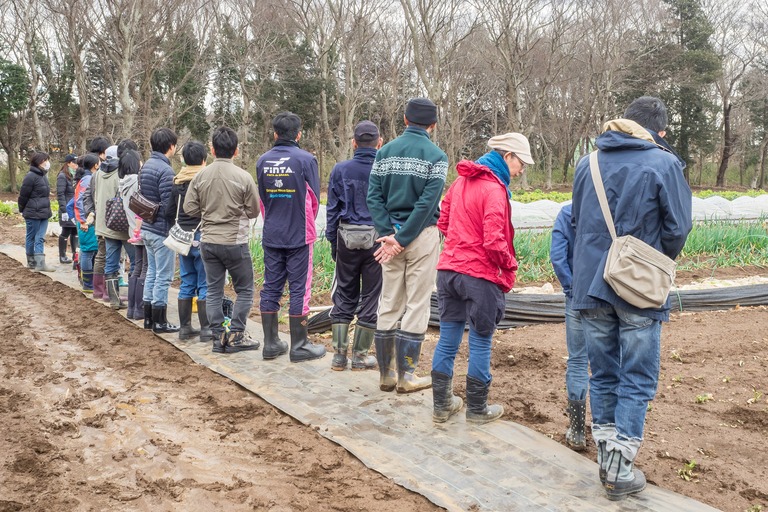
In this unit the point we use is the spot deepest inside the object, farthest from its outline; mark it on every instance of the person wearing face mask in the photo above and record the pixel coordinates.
(476, 268)
(65, 191)
(35, 206)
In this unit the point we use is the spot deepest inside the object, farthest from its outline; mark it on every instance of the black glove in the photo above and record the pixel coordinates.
(333, 252)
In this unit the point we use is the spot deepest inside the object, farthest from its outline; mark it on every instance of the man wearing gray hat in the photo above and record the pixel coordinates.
(352, 236)
(406, 184)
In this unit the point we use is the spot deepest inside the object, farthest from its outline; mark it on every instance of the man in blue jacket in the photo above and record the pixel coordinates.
(156, 184)
(649, 199)
(289, 187)
(351, 233)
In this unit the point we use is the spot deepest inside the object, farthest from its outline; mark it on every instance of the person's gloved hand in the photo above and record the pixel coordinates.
(333, 252)
(64, 217)
(90, 219)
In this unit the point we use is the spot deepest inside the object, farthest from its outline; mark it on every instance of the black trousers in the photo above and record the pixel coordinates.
(357, 281)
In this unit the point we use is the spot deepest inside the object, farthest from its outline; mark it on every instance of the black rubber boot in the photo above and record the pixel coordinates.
(131, 314)
(63, 251)
(138, 297)
(360, 347)
(113, 291)
(408, 347)
(340, 343)
(205, 326)
(622, 479)
(575, 437)
(41, 265)
(446, 404)
(240, 342)
(31, 261)
(478, 410)
(301, 348)
(273, 345)
(385, 356)
(160, 321)
(186, 331)
(148, 322)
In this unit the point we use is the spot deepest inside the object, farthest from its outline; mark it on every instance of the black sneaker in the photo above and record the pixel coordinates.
(240, 342)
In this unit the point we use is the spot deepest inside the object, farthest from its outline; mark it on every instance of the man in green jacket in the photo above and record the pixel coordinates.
(406, 184)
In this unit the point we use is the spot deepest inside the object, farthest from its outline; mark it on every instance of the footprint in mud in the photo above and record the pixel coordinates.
(168, 447)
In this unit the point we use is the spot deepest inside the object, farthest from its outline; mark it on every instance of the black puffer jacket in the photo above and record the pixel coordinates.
(65, 191)
(34, 196)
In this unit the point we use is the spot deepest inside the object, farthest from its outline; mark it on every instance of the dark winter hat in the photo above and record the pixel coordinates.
(421, 111)
(366, 131)
(70, 158)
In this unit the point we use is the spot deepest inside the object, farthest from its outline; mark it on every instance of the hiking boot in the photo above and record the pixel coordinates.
(446, 404)
(385, 356)
(408, 348)
(621, 478)
(220, 342)
(273, 345)
(575, 436)
(360, 347)
(478, 410)
(240, 342)
(301, 348)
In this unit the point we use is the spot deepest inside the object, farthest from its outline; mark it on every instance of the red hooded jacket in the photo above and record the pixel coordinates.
(476, 219)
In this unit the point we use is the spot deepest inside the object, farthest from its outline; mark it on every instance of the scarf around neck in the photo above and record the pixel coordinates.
(495, 162)
(187, 173)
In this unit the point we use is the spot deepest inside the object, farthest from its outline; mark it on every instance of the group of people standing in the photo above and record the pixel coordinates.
(385, 217)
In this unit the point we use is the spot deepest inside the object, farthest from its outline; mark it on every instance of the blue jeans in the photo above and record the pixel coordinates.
(160, 268)
(577, 368)
(35, 241)
(114, 247)
(448, 345)
(624, 354)
(86, 260)
(192, 273)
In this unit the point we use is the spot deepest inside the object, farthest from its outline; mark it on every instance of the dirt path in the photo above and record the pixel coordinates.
(711, 407)
(99, 415)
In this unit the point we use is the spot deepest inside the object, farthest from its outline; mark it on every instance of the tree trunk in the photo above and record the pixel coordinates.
(727, 145)
(761, 163)
(10, 139)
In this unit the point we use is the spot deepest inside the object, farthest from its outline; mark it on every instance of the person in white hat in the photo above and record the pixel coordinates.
(476, 268)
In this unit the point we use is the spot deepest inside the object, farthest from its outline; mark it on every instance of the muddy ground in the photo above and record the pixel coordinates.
(100, 415)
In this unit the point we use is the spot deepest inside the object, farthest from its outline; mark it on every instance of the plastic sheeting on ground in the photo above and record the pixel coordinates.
(498, 466)
(528, 309)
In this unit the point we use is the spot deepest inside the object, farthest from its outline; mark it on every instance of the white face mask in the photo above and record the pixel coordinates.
(46, 165)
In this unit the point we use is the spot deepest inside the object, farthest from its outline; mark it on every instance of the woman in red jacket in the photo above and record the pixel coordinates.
(475, 270)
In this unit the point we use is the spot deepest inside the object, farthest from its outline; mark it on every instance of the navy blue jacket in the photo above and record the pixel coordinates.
(648, 198)
(289, 187)
(348, 192)
(34, 195)
(561, 250)
(155, 183)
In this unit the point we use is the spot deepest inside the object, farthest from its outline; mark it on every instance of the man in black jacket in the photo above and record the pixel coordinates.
(351, 233)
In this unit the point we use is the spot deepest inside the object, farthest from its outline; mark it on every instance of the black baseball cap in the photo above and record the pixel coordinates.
(70, 158)
(366, 131)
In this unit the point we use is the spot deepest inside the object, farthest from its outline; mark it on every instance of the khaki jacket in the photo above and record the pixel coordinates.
(225, 198)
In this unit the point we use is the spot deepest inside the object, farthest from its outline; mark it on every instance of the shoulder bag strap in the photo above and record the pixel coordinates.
(600, 190)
